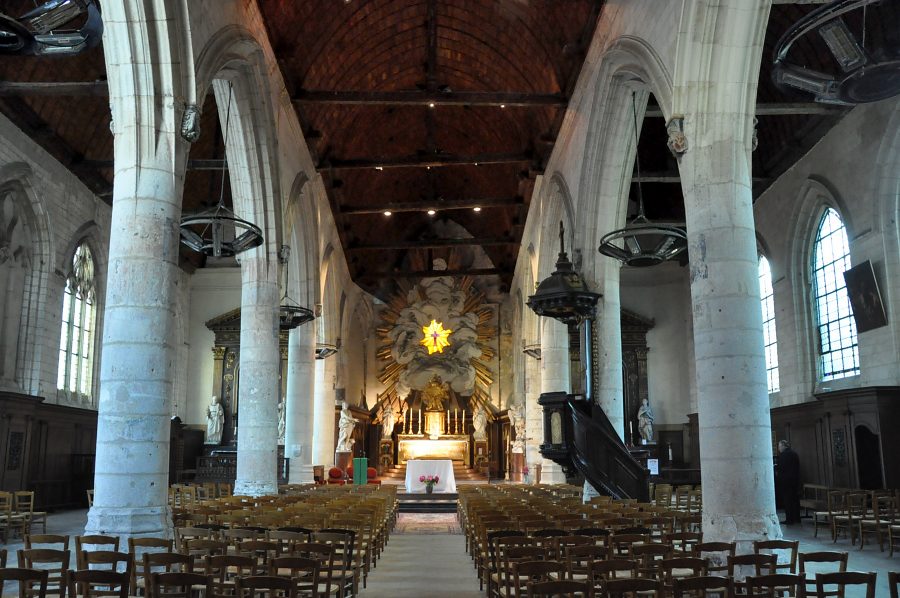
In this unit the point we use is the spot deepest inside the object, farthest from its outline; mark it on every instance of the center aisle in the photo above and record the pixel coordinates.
(418, 562)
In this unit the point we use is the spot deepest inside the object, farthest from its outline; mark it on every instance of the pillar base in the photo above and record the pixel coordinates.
(129, 522)
(742, 529)
(248, 488)
(301, 474)
(552, 473)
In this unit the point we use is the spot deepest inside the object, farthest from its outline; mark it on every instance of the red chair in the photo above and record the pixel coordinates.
(336, 476)
(372, 476)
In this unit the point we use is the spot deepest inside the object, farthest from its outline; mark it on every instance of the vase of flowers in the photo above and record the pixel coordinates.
(429, 481)
(526, 479)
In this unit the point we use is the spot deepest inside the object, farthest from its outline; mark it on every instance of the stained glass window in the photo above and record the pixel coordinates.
(76, 342)
(767, 295)
(838, 350)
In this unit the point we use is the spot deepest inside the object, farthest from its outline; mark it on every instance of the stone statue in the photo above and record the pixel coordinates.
(15, 264)
(215, 421)
(479, 422)
(434, 394)
(387, 422)
(645, 421)
(282, 424)
(346, 423)
(517, 420)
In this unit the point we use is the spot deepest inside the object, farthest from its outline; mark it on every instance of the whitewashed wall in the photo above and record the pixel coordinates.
(69, 213)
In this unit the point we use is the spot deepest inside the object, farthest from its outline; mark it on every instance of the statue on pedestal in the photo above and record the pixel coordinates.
(517, 420)
(387, 422)
(645, 421)
(215, 421)
(435, 393)
(282, 424)
(479, 422)
(346, 423)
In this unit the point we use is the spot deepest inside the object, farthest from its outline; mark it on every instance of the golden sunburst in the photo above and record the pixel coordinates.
(436, 337)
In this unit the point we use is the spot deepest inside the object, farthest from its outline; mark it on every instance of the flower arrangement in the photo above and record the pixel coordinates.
(429, 481)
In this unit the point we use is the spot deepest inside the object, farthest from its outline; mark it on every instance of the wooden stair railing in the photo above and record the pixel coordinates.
(580, 437)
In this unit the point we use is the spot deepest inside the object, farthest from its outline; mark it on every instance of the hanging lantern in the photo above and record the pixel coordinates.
(218, 232)
(290, 313)
(38, 32)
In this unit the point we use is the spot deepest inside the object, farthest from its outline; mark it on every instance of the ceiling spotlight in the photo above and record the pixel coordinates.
(476, 209)
(476, 163)
(428, 168)
(387, 212)
(431, 104)
(379, 168)
(503, 105)
(431, 212)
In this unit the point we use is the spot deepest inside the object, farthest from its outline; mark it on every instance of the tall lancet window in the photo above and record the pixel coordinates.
(767, 295)
(79, 315)
(838, 351)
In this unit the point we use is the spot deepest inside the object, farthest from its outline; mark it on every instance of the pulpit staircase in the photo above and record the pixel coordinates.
(580, 437)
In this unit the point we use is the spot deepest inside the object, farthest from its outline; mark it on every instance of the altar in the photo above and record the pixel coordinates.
(454, 447)
(443, 468)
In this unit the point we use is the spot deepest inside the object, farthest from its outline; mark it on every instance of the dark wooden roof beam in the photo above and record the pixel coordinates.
(435, 244)
(435, 273)
(54, 88)
(778, 109)
(419, 161)
(429, 99)
(421, 206)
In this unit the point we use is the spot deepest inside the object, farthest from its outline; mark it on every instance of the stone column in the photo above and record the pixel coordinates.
(555, 377)
(716, 90)
(608, 343)
(257, 449)
(137, 369)
(298, 437)
(534, 413)
(323, 408)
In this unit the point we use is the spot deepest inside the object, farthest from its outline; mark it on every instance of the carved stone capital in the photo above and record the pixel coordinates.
(218, 352)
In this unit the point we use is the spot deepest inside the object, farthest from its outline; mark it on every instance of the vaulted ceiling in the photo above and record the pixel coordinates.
(410, 106)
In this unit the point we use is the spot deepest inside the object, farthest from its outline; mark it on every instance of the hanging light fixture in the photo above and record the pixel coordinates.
(863, 74)
(218, 232)
(290, 313)
(643, 243)
(564, 295)
(38, 32)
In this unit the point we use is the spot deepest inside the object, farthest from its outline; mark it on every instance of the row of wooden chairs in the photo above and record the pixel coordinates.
(17, 514)
(334, 551)
(860, 515)
(296, 578)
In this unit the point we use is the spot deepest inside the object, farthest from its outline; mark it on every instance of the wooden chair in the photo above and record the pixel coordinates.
(324, 555)
(716, 555)
(825, 557)
(528, 572)
(683, 542)
(894, 583)
(137, 548)
(159, 562)
(2, 562)
(630, 587)
(23, 503)
(224, 569)
(512, 556)
(650, 556)
(884, 514)
(566, 587)
(304, 572)
(10, 521)
(54, 562)
(846, 578)
(99, 541)
(620, 545)
(698, 587)
(679, 568)
(579, 558)
(762, 564)
(777, 584)
(267, 585)
(26, 579)
(179, 585)
(599, 572)
(341, 574)
(770, 546)
(92, 583)
(848, 520)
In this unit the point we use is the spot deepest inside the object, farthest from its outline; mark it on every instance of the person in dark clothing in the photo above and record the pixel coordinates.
(787, 482)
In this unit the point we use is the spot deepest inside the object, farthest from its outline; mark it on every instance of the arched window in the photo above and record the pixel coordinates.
(767, 295)
(838, 352)
(76, 342)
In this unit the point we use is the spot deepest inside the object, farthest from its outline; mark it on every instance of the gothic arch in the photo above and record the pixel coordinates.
(25, 257)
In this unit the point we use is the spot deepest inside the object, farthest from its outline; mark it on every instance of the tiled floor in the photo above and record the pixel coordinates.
(428, 557)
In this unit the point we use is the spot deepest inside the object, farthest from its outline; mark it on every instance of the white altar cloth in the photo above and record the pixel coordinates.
(443, 468)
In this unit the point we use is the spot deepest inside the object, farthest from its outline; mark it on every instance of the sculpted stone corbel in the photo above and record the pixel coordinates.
(677, 141)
